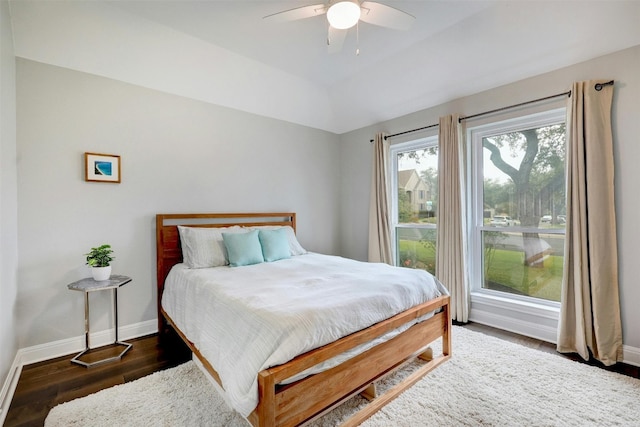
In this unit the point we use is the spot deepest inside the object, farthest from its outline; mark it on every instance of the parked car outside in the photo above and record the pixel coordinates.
(502, 221)
(546, 219)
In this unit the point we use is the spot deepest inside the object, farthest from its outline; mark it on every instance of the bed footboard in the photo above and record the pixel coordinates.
(307, 399)
(314, 396)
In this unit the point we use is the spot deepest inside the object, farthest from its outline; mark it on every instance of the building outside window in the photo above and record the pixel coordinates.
(414, 201)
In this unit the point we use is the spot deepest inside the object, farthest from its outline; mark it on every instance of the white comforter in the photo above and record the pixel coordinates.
(246, 319)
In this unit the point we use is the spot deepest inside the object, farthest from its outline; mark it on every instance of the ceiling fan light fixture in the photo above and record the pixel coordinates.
(343, 14)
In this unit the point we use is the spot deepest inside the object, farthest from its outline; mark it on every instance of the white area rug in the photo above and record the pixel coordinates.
(487, 382)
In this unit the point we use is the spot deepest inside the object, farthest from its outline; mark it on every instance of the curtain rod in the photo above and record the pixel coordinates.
(597, 87)
(484, 113)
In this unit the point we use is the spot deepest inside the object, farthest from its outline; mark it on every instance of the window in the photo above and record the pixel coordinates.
(519, 201)
(414, 182)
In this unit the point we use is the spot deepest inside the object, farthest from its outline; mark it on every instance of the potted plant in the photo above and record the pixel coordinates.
(99, 259)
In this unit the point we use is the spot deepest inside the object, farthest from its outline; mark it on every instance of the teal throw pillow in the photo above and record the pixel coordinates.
(243, 248)
(275, 244)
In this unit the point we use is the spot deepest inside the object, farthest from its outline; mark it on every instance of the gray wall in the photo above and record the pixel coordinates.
(8, 196)
(623, 67)
(178, 155)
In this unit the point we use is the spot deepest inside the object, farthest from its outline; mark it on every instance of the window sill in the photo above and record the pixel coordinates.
(530, 318)
(549, 309)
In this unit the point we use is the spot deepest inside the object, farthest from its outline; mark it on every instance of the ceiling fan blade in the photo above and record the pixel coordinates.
(385, 16)
(335, 39)
(298, 13)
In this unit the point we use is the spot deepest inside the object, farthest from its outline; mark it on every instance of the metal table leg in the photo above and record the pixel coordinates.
(126, 345)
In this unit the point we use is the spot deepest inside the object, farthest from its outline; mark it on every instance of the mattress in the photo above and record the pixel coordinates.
(246, 319)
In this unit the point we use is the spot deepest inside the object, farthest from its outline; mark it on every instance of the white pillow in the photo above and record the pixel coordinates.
(202, 247)
(294, 245)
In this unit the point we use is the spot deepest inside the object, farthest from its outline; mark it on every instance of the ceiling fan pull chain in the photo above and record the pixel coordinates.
(328, 33)
(358, 38)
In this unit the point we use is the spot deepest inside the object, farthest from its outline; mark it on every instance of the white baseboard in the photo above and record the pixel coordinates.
(51, 350)
(67, 346)
(9, 387)
(631, 355)
(528, 329)
(524, 318)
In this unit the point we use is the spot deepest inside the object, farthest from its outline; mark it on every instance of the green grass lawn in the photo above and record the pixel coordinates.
(505, 270)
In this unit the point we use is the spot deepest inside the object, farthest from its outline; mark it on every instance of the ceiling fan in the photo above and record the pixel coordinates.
(345, 14)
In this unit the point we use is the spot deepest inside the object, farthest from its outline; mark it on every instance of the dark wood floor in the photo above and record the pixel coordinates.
(46, 384)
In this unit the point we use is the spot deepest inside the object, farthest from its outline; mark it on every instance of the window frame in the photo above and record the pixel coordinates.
(394, 150)
(532, 316)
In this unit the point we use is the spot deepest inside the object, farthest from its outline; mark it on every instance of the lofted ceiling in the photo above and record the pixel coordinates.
(225, 53)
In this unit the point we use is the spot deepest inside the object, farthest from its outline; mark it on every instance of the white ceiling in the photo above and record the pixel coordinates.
(223, 52)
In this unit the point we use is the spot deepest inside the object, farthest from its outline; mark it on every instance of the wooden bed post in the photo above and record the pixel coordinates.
(446, 335)
(161, 274)
(266, 400)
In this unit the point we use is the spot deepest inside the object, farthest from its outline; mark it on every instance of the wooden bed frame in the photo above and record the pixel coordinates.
(309, 398)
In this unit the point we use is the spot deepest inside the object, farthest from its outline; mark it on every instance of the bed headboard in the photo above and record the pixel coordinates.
(169, 250)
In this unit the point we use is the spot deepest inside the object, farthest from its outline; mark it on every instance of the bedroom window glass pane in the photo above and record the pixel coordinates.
(521, 205)
(506, 268)
(416, 248)
(415, 200)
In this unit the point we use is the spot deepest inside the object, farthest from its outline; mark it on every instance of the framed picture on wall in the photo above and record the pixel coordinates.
(101, 167)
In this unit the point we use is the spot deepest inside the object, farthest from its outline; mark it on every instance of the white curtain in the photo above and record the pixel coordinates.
(590, 306)
(451, 254)
(379, 221)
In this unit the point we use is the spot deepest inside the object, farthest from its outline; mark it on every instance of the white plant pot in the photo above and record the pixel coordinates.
(101, 273)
